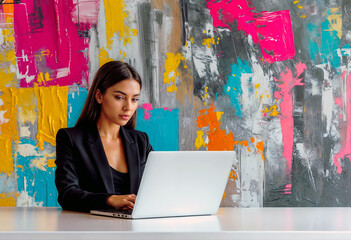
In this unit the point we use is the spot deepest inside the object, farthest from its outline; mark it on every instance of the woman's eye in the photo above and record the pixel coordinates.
(119, 97)
(135, 99)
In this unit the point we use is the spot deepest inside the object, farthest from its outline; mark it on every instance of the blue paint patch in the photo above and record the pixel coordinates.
(40, 184)
(76, 100)
(162, 128)
(345, 51)
(233, 87)
(314, 35)
(330, 45)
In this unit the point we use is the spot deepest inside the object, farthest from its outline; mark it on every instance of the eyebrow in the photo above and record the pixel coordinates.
(117, 91)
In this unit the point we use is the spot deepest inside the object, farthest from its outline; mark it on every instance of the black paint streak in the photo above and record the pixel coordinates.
(36, 18)
(184, 9)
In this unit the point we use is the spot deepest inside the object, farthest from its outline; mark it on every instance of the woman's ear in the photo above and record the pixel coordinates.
(98, 96)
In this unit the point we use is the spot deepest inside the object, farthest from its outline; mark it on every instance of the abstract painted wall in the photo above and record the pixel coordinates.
(269, 79)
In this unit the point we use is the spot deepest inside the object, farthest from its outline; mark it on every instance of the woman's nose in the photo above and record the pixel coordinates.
(127, 105)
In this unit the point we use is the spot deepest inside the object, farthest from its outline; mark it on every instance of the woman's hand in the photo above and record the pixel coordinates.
(122, 201)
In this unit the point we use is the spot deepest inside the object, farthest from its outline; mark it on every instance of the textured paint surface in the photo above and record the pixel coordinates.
(267, 79)
(161, 127)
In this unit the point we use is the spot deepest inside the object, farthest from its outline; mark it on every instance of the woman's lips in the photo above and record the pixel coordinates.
(124, 117)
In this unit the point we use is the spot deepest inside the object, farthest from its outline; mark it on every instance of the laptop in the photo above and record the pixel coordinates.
(179, 183)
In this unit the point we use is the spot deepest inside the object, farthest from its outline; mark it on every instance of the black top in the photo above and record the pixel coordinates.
(121, 182)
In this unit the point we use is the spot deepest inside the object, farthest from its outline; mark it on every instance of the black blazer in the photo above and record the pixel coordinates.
(83, 176)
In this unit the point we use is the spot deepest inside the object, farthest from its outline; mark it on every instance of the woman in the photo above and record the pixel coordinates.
(101, 160)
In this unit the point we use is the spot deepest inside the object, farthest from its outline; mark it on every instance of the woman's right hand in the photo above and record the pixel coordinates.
(122, 201)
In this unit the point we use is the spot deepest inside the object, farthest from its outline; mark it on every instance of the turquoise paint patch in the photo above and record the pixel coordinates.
(162, 128)
(233, 87)
(346, 50)
(314, 35)
(40, 185)
(330, 45)
(76, 100)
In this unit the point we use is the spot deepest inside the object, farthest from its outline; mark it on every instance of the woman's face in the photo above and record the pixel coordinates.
(119, 102)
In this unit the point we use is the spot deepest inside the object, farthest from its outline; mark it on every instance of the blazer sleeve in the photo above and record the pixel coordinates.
(70, 195)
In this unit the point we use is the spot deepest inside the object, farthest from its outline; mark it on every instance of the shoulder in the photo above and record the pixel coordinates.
(75, 133)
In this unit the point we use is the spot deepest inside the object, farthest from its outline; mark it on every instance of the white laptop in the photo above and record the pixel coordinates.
(180, 183)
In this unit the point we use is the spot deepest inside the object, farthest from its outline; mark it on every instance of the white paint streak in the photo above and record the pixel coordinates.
(24, 200)
(25, 76)
(39, 163)
(62, 72)
(2, 118)
(252, 175)
(27, 150)
(24, 131)
(327, 98)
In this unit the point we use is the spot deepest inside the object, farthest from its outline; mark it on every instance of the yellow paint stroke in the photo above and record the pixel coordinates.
(116, 22)
(303, 16)
(8, 199)
(8, 129)
(219, 115)
(233, 175)
(208, 42)
(43, 78)
(20, 166)
(171, 73)
(272, 111)
(26, 105)
(104, 57)
(51, 163)
(52, 113)
(192, 40)
(123, 54)
(223, 197)
(300, 7)
(295, 2)
(335, 21)
(199, 142)
(8, 57)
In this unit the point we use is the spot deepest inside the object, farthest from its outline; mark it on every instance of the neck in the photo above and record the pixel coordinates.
(108, 130)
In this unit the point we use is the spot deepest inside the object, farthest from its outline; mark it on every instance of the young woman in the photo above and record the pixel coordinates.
(100, 161)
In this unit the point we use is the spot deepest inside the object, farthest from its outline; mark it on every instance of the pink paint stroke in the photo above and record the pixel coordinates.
(147, 107)
(276, 36)
(287, 189)
(85, 14)
(226, 12)
(345, 150)
(65, 55)
(286, 109)
(166, 108)
(272, 30)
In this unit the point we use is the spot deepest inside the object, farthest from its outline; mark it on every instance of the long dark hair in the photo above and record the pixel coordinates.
(108, 75)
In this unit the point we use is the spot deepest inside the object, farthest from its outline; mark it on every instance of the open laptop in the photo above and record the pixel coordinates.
(180, 183)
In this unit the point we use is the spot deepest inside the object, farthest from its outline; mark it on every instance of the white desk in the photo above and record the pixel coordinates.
(229, 223)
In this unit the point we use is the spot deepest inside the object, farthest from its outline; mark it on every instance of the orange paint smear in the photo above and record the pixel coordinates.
(218, 140)
(233, 175)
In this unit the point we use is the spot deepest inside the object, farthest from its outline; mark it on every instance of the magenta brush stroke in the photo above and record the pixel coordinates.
(55, 48)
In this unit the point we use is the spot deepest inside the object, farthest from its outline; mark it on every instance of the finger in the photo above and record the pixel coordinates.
(132, 197)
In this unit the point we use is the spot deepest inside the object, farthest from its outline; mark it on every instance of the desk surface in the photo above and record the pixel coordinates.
(229, 223)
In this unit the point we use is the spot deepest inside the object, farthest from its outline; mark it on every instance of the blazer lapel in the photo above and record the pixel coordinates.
(98, 154)
(132, 158)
